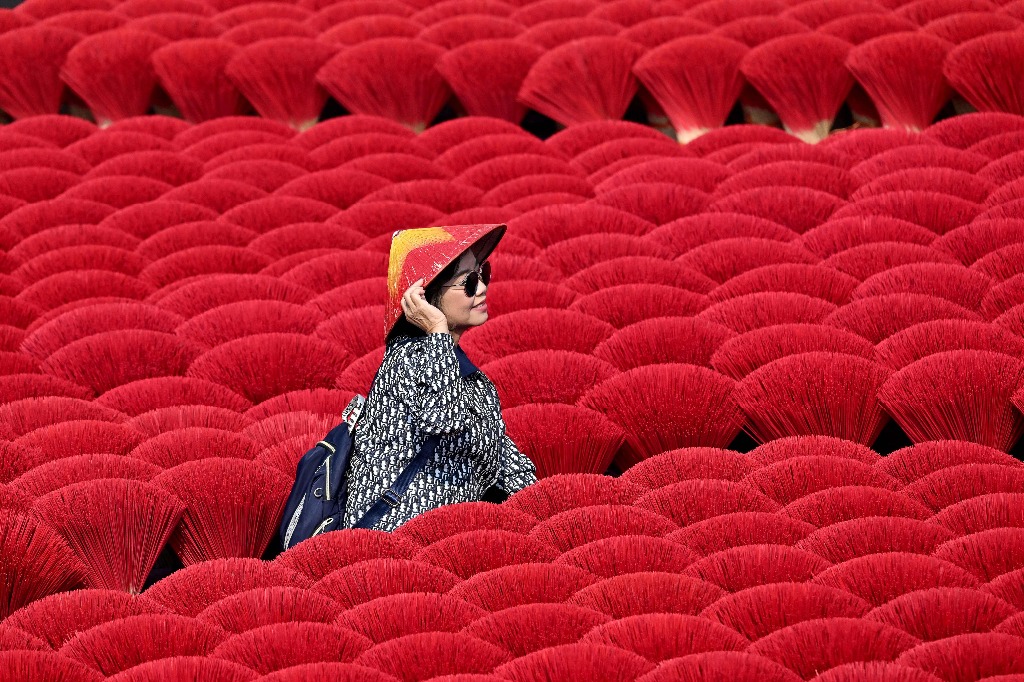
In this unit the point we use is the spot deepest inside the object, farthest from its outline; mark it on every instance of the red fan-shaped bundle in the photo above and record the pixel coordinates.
(186, 667)
(235, 320)
(914, 463)
(109, 359)
(164, 419)
(872, 535)
(82, 436)
(587, 440)
(174, 447)
(663, 340)
(660, 636)
(432, 654)
(288, 644)
(277, 76)
(567, 491)
(329, 552)
(352, 585)
(412, 93)
(22, 416)
(624, 554)
(58, 618)
(505, 334)
(812, 646)
(39, 51)
(263, 215)
(486, 75)
(657, 203)
(929, 399)
(939, 613)
(633, 594)
(697, 94)
(532, 627)
(949, 181)
(669, 406)
(721, 666)
(377, 26)
(740, 568)
(190, 590)
(38, 562)
(43, 665)
(687, 464)
(37, 184)
(520, 584)
(917, 156)
(987, 554)
(145, 395)
(878, 317)
(562, 663)
(955, 283)
(798, 208)
(842, 503)
(577, 527)
(716, 498)
(928, 338)
(628, 304)
(18, 386)
(252, 32)
(1001, 264)
(882, 68)
(116, 527)
(1007, 587)
(840, 235)
(298, 362)
(577, 139)
(419, 613)
(554, 33)
(975, 68)
(637, 269)
(723, 259)
(16, 460)
(232, 507)
(53, 475)
(192, 72)
(124, 643)
(269, 605)
(804, 78)
(741, 355)
(220, 195)
(821, 176)
(755, 311)
(759, 611)
(197, 234)
(584, 80)
(112, 72)
(983, 512)
(447, 520)
(967, 657)
(795, 477)
(491, 549)
(936, 211)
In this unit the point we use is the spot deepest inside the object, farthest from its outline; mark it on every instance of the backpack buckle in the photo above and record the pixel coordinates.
(391, 498)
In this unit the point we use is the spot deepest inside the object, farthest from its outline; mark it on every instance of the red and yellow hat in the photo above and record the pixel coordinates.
(425, 252)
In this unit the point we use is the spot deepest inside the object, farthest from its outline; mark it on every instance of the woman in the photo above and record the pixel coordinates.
(437, 290)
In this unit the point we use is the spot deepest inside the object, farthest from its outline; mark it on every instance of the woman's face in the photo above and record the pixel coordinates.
(461, 310)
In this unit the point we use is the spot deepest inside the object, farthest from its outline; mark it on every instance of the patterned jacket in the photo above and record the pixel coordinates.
(425, 387)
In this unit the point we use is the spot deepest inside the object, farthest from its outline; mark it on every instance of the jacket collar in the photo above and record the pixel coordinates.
(466, 366)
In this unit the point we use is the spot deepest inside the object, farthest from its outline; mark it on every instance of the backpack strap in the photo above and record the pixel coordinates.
(393, 495)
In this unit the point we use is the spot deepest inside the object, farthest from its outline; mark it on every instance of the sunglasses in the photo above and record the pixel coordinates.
(472, 280)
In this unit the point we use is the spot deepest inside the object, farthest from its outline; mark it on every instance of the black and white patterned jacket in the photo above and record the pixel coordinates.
(426, 387)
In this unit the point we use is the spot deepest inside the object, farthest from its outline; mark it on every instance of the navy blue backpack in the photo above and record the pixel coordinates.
(317, 501)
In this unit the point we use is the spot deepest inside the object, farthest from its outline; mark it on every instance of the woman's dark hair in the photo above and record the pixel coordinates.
(404, 327)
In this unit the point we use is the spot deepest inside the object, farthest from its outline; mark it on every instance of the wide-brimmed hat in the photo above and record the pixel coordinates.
(425, 252)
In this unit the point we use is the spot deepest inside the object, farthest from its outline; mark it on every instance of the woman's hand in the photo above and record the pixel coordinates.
(420, 312)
